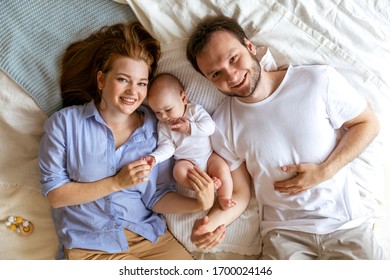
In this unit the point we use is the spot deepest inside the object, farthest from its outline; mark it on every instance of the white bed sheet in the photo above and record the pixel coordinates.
(353, 37)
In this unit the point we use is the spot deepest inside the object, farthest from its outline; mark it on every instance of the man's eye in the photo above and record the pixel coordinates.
(215, 75)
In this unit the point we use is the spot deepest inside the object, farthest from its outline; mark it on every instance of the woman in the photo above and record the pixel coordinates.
(106, 199)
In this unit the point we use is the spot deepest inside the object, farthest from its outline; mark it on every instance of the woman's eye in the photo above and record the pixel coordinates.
(122, 80)
(233, 58)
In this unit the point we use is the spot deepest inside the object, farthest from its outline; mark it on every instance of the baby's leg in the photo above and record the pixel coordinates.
(218, 168)
(180, 172)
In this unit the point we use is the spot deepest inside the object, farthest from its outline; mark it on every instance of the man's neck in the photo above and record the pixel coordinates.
(268, 84)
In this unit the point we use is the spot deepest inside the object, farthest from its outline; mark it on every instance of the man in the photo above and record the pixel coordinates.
(282, 130)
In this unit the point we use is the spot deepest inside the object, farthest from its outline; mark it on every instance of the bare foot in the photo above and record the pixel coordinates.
(226, 202)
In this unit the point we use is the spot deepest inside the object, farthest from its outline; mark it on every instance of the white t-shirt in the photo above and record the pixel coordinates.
(195, 147)
(298, 123)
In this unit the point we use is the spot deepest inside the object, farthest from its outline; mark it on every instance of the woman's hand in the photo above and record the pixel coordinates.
(132, 174)
(203, 186)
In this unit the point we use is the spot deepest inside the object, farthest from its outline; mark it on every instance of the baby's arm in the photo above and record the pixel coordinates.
(181, 125)
(203, 124)
(165, 146)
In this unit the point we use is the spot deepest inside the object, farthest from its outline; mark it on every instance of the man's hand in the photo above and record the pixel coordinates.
(204, 239)
(307, 176)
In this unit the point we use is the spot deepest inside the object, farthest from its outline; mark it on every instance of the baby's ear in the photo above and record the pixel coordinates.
(183, 97)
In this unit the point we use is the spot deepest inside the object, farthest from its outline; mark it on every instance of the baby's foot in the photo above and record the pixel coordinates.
(217, 183)
(226, 202)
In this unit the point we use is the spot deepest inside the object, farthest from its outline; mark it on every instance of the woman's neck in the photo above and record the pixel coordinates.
(123, 127)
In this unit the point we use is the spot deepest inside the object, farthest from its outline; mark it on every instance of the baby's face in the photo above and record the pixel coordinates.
(168, 104)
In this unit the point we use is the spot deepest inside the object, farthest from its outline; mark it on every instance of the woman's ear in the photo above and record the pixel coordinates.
(250, 46)
(100, 80)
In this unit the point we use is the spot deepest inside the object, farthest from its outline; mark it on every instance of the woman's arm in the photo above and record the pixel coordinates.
(75, 193)
(173, 203)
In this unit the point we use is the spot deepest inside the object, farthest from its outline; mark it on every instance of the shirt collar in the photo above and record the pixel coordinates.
(91, 110)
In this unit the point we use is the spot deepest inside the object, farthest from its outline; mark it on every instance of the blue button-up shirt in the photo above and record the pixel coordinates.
(78, 146)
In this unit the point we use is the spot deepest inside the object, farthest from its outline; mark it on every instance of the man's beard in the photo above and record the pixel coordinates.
(256, 75)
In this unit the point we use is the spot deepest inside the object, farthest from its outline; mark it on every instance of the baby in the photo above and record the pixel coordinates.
(184, 131)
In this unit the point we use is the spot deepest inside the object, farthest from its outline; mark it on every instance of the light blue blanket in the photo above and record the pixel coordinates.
(34, 35)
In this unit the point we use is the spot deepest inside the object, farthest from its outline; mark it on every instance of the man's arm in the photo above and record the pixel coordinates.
(210, 231)
(359, 133)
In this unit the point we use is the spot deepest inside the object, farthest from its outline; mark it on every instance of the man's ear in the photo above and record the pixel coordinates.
(250, 46)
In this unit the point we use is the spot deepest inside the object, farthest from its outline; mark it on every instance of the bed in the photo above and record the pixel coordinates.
(353, 37)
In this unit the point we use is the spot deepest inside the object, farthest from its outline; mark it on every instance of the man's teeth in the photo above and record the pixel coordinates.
(130, 100)
(240, 82)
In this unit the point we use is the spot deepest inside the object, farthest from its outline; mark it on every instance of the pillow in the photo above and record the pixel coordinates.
(21, 128)
(42, 243)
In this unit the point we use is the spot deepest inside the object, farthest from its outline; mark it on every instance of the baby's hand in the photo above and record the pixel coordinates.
(150, 160)
(181, 125)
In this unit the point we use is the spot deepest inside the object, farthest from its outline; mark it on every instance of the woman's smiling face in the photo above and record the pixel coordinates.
(124, 86)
